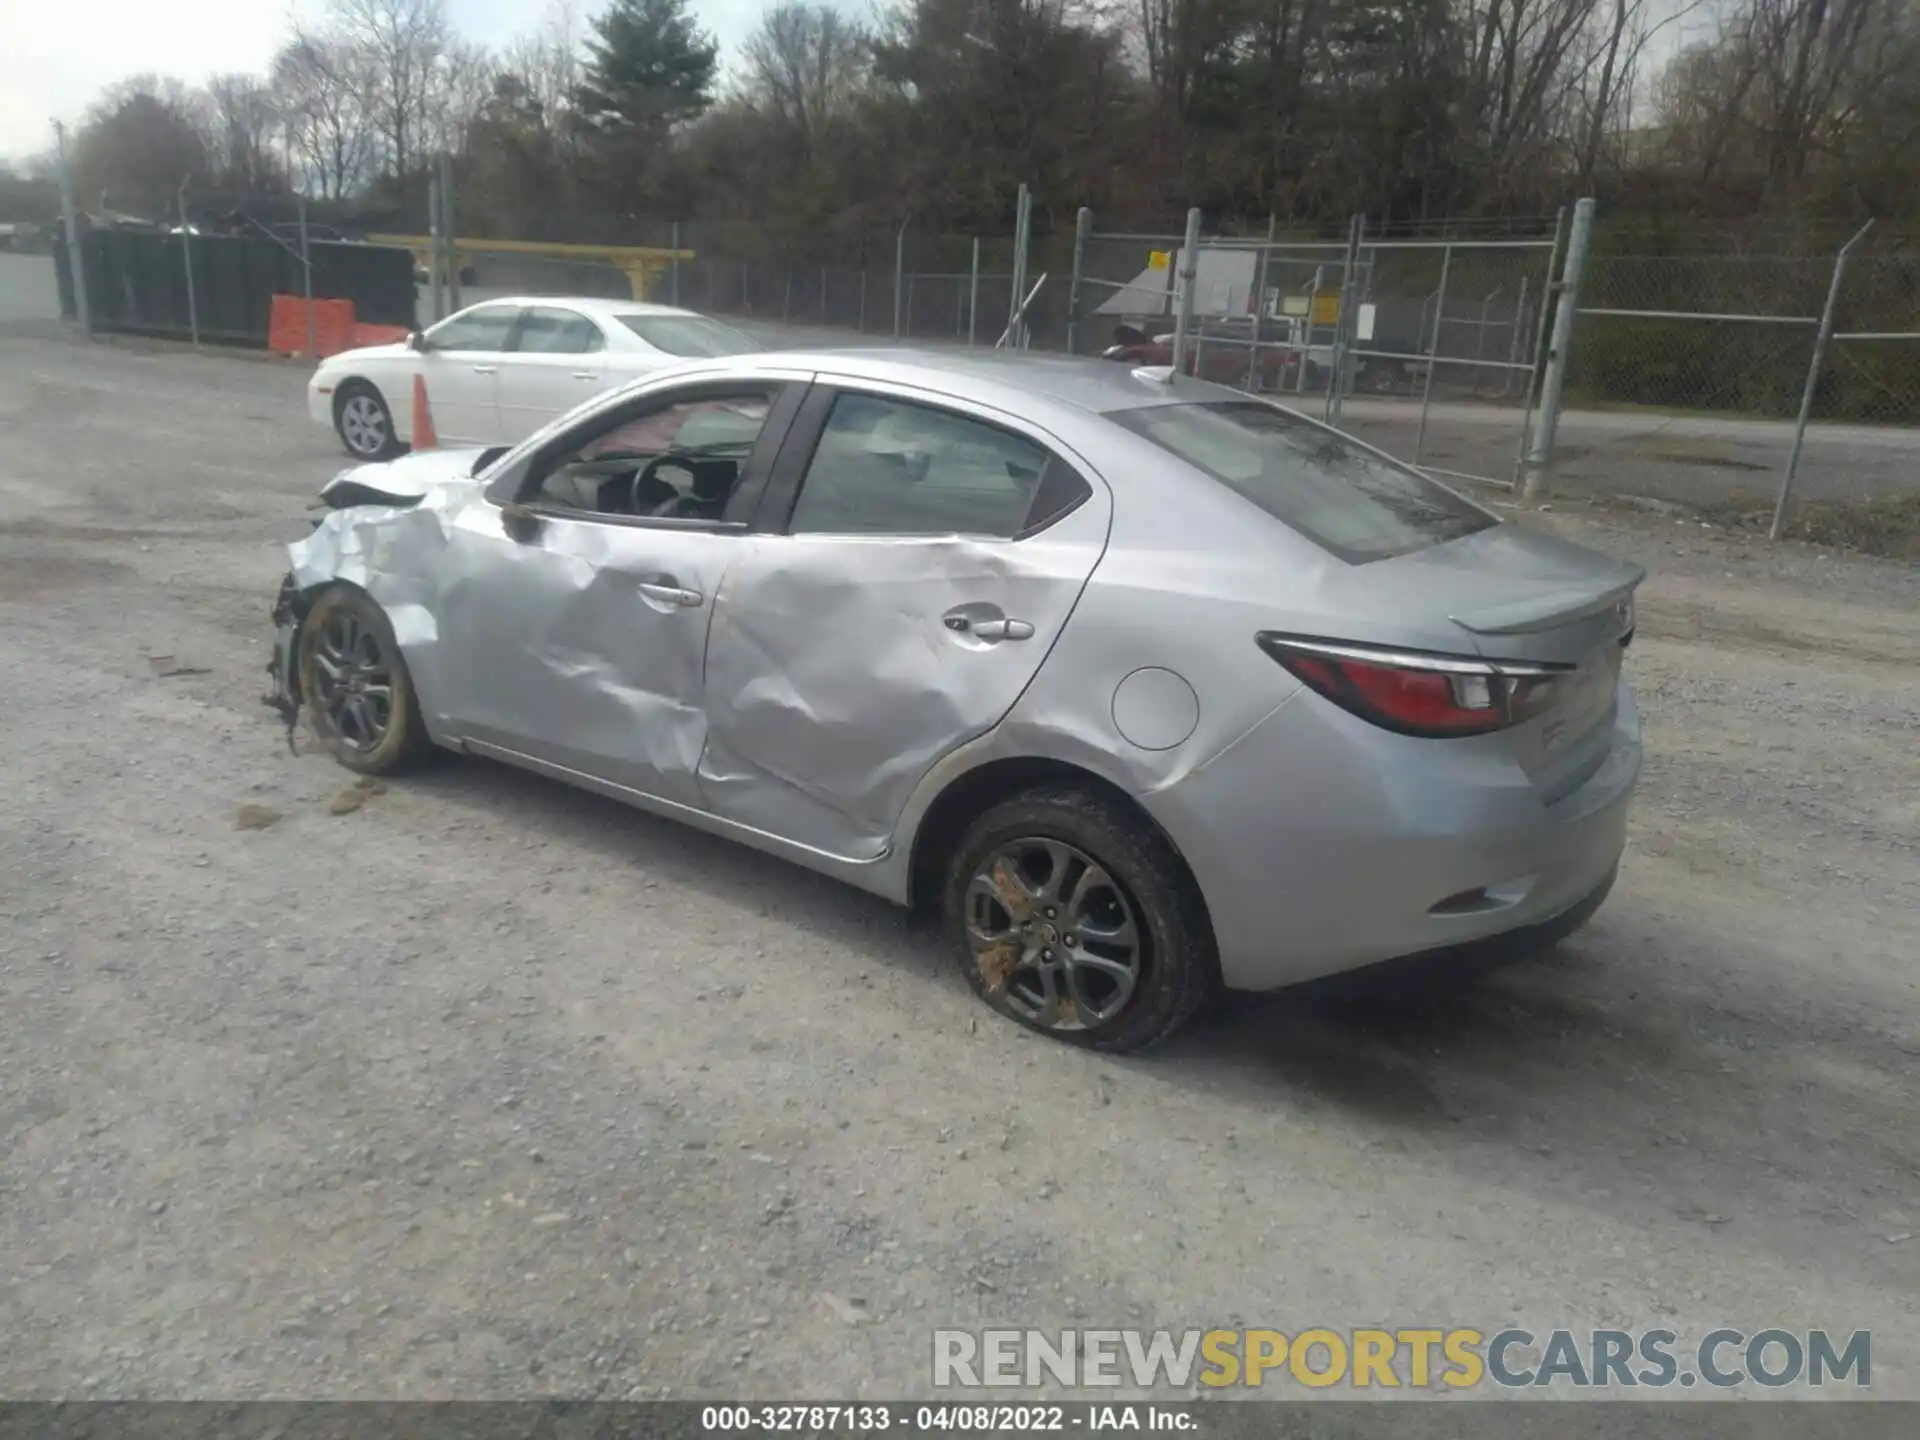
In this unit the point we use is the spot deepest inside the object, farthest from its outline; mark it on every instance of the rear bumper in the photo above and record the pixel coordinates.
(1323, 848)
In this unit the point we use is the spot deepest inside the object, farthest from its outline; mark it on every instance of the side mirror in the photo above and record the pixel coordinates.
(416, 341)
(520, 523)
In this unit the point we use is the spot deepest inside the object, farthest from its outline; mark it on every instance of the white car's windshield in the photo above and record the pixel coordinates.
(689, 335)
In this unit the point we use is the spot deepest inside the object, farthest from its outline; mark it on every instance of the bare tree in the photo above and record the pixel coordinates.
(459, 86)
(400, 45)
(322, 96)
(804, 66)
(547, 60)
(245, 120)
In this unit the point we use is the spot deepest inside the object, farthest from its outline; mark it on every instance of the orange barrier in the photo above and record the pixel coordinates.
(423, 434)
(333, 326)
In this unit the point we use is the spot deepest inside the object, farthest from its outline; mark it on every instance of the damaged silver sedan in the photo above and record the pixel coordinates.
(1150, 688)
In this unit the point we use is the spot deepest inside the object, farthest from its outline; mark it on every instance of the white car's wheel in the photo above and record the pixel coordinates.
(364, 423)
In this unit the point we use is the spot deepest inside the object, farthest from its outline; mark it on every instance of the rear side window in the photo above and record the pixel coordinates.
(1343, 497)
(890, 467)
(545, 331)
(689, 335)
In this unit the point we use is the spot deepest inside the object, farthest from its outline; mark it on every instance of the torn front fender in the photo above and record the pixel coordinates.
(283, 693)
(384, 531)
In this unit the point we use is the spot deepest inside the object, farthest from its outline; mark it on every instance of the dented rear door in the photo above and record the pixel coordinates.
(922, 558)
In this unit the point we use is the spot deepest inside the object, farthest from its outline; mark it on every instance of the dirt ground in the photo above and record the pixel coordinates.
(491, 1088)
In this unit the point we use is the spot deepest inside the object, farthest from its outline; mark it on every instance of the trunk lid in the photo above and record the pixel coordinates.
(1509, 593)
(1514, 594)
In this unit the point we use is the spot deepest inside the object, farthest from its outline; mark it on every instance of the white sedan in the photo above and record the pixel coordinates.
(500, 370)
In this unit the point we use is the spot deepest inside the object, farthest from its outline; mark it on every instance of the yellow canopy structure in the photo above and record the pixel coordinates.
(642, 264)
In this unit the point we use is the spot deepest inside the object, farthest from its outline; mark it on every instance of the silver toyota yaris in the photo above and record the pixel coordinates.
(1151, 687)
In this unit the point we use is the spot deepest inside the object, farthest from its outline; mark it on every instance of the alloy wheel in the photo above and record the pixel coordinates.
(363, 425)
(1054, 935)
(353, 680)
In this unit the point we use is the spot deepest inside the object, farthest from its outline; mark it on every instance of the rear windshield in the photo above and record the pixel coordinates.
(689, 335)
(1343, 497)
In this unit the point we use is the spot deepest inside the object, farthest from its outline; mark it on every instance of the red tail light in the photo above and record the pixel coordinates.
(1412, 693)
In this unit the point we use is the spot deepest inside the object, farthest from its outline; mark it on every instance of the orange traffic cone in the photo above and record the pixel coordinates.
(423, 436)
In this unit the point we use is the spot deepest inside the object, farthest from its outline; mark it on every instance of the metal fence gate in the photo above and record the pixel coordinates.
(1431, 349)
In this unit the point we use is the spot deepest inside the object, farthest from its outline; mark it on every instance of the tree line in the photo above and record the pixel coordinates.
(934, 111)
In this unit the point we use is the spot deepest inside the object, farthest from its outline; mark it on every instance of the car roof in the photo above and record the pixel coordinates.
(596, 305)
(1011, 379)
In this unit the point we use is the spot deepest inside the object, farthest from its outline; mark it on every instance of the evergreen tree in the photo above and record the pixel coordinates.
(649, 67)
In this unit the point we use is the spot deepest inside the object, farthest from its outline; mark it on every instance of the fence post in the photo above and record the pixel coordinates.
(436, 269)
(1814, 367)
(1337, 381)
(1255, 306)
(306, 266)
(1082, 227)
(449, 227)
(70, 222)
(1022, 220)
(1530, 394)
(899, 275)
(673, 274)
(1559, 350)
(973, 294)
(786, 304)
(1189, 282)
(909, 320)
(186, 256)
(1433, 354)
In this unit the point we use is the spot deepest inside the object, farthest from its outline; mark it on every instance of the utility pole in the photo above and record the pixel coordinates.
(70, 221)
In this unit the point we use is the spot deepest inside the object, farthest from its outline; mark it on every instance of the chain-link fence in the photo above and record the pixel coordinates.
(1777, 388)
(1687, 372)
(1427, 347)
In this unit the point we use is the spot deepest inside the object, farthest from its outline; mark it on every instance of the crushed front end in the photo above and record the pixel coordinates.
(283, 670)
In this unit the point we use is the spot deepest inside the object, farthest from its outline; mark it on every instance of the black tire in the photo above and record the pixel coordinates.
(1175, 966)
(345, 624)
(364, 423)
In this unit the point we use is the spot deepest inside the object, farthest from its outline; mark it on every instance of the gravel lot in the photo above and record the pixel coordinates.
(493, 1088)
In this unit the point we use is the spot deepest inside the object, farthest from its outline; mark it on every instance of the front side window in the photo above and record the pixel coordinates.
(891, 467)
(1345, 498)
(545, 331)
(675, 459)
(690, 335)
(488, 327)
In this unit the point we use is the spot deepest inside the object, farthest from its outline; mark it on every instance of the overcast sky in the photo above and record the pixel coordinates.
(56, 55)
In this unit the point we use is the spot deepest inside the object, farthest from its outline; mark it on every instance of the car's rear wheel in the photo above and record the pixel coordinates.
(356, 685)
(1075, 917)
(363, 422)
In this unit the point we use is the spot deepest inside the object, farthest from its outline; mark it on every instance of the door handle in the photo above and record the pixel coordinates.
(486, 369)
(670, 594)
(586, 375)
(991, 629)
